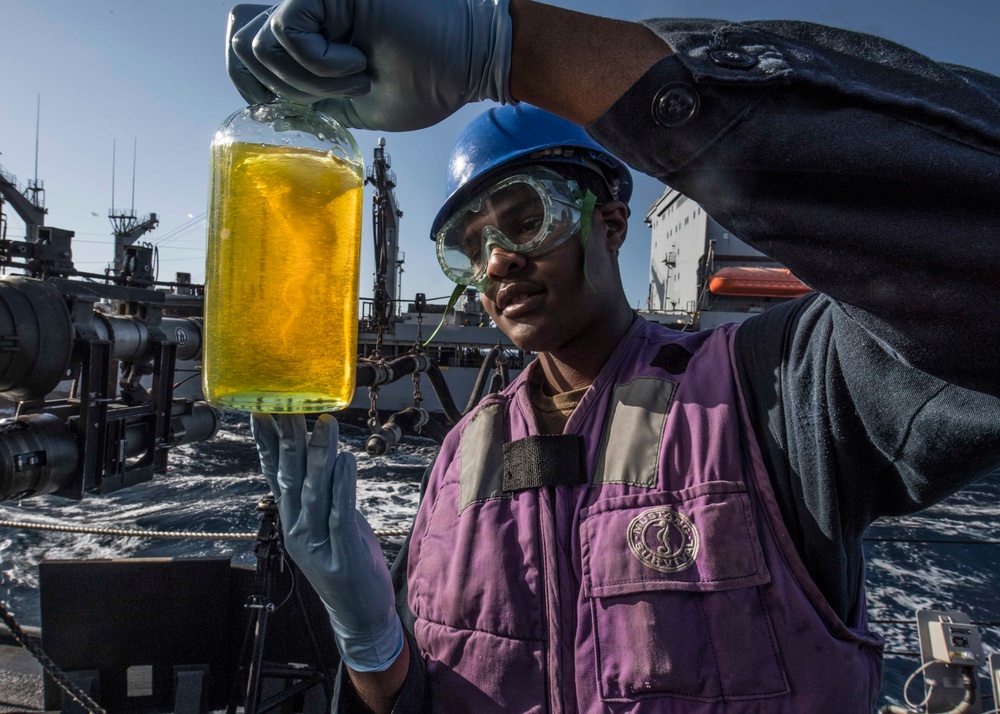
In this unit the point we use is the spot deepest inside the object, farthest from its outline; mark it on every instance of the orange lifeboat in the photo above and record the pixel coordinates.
(757, 282)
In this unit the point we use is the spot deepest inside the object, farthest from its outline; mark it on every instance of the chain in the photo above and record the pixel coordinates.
(373, 408)
(376, 358)
(418, 348)
(377, 352)
(417, 396)
(54, 671)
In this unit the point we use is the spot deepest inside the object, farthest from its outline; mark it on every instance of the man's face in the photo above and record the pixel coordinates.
(545, 303)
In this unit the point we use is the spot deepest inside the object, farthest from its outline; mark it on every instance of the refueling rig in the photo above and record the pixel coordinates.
(114, 343)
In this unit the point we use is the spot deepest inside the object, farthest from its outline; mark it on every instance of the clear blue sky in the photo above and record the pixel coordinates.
(153, 72)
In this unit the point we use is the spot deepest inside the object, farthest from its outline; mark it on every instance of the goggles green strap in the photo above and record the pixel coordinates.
(459, 289)
(586, 216)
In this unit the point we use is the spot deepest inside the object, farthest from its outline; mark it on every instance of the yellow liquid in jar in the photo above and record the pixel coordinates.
(281, 280)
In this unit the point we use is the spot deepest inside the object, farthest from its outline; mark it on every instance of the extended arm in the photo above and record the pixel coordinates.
(869, 170)
(576, 65)
(866, 168)
(794, 130)
(334, 546)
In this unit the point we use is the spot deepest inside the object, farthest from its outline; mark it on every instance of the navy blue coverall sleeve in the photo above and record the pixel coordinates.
(872, 172)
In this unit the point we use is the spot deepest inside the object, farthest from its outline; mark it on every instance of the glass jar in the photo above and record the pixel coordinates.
(281, 277)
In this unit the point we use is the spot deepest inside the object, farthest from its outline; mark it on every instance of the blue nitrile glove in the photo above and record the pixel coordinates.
(393, 65)
(328, 539)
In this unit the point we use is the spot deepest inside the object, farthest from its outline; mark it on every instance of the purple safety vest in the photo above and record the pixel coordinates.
(656, 577)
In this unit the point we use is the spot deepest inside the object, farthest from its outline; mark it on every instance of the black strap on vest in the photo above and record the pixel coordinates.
(544, 460)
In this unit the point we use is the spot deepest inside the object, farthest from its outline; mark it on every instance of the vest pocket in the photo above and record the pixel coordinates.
(473, 671)
(673, 582)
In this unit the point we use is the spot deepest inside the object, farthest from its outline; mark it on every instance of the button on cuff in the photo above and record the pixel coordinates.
(675, 104)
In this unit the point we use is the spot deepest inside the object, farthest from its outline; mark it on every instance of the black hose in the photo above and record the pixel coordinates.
(443, 394)
(370, 374)
(385, 437)
(484, 369)
(366, 375)
(411, 420)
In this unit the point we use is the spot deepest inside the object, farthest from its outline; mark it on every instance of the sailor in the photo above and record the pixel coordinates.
(645, 520)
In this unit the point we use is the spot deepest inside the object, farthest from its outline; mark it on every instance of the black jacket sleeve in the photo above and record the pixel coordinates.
(871, 172)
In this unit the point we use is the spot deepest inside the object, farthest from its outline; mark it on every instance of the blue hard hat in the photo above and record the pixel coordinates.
(508, 136)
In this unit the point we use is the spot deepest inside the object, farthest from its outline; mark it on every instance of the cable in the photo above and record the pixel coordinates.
(187, 379)
(930, 686)
(968, 679)
(971, 685)
(182, 229)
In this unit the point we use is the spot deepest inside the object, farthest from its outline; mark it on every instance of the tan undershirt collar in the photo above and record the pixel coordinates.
(552, 411)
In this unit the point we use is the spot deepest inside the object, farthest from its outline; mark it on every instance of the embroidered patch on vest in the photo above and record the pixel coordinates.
(544, 460)
(630, 445)
(664, 539)
(672, 358)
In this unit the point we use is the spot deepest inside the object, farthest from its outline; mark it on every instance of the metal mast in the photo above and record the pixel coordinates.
(127, 227)
(28, 203)
(385, 215)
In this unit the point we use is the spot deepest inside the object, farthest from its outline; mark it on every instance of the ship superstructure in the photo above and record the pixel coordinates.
(702, 275)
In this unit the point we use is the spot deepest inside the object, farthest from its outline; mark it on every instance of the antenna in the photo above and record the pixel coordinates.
(127, 227)
(36, 188)
(38, 121)
(135, 144)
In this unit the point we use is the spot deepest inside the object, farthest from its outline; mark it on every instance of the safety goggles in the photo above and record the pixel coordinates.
(531, 213)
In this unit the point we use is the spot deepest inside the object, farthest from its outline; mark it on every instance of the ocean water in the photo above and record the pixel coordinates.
(214, 486)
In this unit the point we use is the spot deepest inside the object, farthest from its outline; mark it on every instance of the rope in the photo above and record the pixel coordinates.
(193, 535)
(77, 694)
